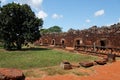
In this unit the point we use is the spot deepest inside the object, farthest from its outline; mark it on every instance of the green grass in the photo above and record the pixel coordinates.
(38, 58)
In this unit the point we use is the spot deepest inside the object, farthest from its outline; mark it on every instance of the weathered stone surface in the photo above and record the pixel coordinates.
(66, 65)
(11, 74)
(101, 62)
(105, 59)
(86, 64)
(111, 57)
(75, 65)
(94, 39)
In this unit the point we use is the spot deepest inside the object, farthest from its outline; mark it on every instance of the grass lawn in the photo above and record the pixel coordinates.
(37, 62)
(38, 58)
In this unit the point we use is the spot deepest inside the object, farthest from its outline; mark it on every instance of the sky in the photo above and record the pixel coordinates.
(75, 14)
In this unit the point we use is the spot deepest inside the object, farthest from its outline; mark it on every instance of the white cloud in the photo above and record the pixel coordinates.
(119, 20)
(56, 16)
(3, 2)
(41, 14)
(88, 21)
(109, 24)
(36, 4)
(99, 13)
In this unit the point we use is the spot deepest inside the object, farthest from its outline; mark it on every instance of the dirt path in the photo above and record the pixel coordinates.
(110, 71)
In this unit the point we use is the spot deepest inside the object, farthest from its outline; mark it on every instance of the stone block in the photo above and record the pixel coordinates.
(101, 62)
(66, 65)
(11, 74)
(86, 64)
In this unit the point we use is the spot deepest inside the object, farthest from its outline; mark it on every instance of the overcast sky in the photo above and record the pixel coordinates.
(76, 14)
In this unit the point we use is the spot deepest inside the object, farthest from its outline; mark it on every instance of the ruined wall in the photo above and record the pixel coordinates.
(104, 36)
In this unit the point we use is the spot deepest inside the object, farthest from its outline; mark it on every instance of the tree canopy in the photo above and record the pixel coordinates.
(54, 29)
(18, 25)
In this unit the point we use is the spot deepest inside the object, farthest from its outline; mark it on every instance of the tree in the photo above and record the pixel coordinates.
(18, 25)
(44, 31)
(55, 29)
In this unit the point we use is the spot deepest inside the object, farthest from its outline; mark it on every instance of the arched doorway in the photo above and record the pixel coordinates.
(78, 42)
(102, 43)
(53, 42)
(63, 43)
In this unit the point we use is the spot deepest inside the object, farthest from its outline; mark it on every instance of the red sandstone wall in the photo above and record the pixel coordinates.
(88, 37)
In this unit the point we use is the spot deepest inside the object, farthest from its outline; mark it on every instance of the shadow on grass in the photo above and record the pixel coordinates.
(29, 49)
(34, 49)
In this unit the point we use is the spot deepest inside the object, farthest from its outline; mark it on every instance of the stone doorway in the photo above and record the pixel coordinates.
(63, 42)
(103, 44)
(78, 42)
(53, 42)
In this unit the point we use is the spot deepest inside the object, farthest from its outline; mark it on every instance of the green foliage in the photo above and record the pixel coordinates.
(54, 29)
(18, 25)
(44, 31)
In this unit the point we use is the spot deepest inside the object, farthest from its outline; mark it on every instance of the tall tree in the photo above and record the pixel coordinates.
(18, 25)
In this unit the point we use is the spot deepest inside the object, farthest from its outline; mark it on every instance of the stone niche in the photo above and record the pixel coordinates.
(11, 74)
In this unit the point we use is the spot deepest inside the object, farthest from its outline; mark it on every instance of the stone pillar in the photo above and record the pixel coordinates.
(94, 47)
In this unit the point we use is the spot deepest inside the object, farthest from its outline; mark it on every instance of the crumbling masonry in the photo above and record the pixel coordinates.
(95, 39)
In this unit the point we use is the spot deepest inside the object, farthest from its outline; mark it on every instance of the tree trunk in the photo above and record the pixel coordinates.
(7, 45)
(19, 46)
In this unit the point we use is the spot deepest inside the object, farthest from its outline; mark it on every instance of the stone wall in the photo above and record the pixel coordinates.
(99, 36)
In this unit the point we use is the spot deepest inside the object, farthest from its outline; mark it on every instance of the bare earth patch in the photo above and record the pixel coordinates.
(110, 71)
